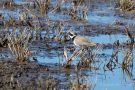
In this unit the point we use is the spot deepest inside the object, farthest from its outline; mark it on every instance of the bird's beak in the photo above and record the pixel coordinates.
(67, 36)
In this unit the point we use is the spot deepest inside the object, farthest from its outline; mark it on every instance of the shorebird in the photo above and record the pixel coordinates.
(81, 41)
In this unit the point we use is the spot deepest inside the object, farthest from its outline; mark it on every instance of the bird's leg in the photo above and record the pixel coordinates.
(74, 55)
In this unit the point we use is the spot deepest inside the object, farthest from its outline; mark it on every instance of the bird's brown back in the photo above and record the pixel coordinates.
(83, 41)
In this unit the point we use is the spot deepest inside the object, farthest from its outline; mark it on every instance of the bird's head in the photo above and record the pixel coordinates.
(72, 34)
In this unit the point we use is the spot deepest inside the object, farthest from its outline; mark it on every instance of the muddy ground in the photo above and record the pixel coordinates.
(30, 76)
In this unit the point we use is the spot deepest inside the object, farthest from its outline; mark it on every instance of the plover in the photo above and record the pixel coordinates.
(80, 41)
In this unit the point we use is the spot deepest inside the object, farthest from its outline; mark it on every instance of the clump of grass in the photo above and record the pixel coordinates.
(8, 4)
(25, 19)
(10, 22)
(18, 44)
(129, 34)
(113, 60)
(78, 10)
(128, 59)
(48, 83)
(43, 6)
(58, 6)
(128, 55)
(73, 13)
(128, 71)
(1, 20)
(126, 5)
(87, 58)
(81, 82)
(22, 18)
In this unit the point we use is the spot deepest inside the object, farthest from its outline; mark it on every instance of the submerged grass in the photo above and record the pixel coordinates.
(80, 81)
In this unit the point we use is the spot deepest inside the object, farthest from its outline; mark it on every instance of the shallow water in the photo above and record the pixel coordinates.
(106, 39)
(93, 18)
(43, 57)
(109, 80)
(103, 80)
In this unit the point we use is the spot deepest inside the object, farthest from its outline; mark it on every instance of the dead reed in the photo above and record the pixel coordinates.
(128, 53)
(18, 44)
(129, 34)
(126, 5)
(113, 62)
(87, 57)
(80, 81)
(43, 6)
(128, 58)
(78, 12)
(48, 83)
(58, 6)
(8, 4)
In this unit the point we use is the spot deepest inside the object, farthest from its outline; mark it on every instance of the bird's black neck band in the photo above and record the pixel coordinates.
(73, 38)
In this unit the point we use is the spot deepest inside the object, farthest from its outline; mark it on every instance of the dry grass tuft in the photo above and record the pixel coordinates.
(18, 44)
(8, 4)
(128, 59)
(48, 83)
(43, 6)
(126, 5)
(81, 82)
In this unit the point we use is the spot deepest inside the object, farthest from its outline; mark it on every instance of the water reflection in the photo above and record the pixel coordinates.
(105, 39)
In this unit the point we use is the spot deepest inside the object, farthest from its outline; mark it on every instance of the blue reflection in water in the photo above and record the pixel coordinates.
(105, 39)
(94, 18)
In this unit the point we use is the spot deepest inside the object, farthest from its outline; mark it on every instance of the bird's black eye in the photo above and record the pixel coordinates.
(70, 34)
